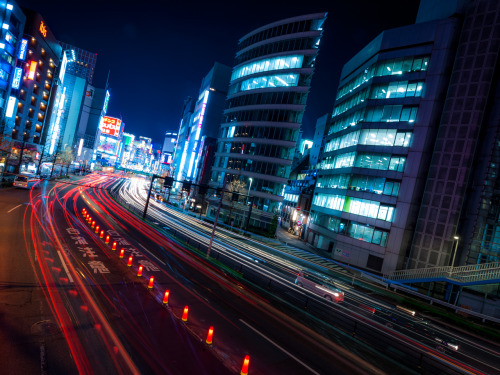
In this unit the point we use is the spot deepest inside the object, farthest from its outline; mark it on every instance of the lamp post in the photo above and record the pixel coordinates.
(456, 238)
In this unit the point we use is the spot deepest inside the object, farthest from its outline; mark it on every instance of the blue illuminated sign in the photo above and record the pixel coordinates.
(23, 48)
(16, 81)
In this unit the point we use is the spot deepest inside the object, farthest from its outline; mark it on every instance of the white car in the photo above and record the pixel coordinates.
(319, 285)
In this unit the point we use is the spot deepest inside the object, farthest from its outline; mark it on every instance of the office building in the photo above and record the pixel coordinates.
(68, 101)
(38, 57)
(204, 124)
(84, 63)
(94, 108)
(179, 158)
(266, 101)
(169, 143)
(406, 165)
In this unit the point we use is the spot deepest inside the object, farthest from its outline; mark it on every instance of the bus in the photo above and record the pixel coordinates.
(25, 181)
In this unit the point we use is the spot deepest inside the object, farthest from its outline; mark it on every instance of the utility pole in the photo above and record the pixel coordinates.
(215, 222)
(149, 195)
(249, 213)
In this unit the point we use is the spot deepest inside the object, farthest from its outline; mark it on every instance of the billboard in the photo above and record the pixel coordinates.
(107, 145)
(111, 126)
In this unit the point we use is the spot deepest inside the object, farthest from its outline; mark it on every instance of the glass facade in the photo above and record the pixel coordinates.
(264, 109)
(390, 67)
(368, 113)
(357, 206)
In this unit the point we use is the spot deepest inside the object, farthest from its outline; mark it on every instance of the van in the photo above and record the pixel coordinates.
(25, 181)
(320, 285)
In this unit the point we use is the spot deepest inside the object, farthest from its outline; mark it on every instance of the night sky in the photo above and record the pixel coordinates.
(159, 51)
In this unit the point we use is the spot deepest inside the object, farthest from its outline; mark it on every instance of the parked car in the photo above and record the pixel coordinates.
(320, 285)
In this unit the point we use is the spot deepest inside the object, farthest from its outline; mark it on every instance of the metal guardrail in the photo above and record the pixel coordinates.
(470, 274)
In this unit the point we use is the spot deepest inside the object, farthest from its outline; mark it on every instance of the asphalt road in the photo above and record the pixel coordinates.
(30, 339)
(69, 304)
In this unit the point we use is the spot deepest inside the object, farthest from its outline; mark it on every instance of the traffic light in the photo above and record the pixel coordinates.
(169, 182)
(202, 189)
(186, 186)
(235, 197)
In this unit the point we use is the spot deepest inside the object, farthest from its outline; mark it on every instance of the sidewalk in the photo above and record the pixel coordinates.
(289, 239)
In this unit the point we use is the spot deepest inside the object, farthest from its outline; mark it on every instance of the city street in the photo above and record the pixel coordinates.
(99, 305)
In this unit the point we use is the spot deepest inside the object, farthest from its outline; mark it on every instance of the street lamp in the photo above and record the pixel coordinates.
(456, 238)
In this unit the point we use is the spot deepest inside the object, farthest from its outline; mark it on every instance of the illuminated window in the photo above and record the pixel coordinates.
(282, 80)
(276, 63)
(384, 68)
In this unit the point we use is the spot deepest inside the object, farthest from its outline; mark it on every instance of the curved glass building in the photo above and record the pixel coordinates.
(264, 108)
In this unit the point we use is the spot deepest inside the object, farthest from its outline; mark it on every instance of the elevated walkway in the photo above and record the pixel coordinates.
(475, 274)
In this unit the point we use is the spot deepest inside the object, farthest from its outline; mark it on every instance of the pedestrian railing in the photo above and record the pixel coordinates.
(466, 275)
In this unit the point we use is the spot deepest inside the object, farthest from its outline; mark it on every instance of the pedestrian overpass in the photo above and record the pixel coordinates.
(475, 274)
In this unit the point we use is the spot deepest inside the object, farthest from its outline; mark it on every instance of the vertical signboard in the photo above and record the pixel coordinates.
(32, 71)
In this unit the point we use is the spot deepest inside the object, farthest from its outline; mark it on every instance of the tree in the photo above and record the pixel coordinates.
(54, 157)
(66, 156)
(274, 224)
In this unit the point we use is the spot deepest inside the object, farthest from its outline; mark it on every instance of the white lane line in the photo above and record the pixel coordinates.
(12, 209)
(154, 256)
(64, 266)
(279, 347)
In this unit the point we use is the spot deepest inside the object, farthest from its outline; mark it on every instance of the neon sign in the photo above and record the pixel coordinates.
(43, 29)
(16, 81)
(23, 48)
(111, 126)
(31, 74)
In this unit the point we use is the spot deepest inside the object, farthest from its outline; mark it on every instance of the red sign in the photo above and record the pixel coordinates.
(298, 208)
(32, 71)
(111, 126)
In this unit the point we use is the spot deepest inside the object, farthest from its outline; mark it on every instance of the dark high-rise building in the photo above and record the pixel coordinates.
(264, 108)
(84, 64)
(39, 69)
(411, 161)
(203, 126)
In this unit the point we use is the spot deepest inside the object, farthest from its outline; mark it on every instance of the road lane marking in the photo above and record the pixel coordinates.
(12, 209)
(279, 347)
(154, 256)
(64, 266)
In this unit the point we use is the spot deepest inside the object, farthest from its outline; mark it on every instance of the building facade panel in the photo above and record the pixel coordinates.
(266, 101)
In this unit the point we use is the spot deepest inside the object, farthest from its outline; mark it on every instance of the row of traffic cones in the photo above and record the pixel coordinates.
(210, 333)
